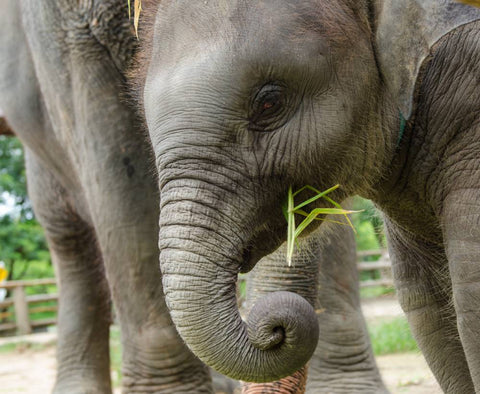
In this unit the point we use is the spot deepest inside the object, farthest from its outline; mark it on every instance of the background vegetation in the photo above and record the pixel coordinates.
(22, 244)
(23, 249)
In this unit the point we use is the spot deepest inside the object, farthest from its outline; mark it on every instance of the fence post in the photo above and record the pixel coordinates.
(21, 311)
(385, 273)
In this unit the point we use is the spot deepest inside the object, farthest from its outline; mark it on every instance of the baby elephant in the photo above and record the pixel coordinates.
(244, 100)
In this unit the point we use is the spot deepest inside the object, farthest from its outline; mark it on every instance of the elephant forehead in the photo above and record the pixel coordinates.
(268, 27)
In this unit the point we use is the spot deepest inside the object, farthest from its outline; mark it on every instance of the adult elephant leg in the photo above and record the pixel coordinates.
(80, 70)
(343, 361)
(124, 205)
(155, 359)
(423, 287)
(83, 362)
(462, 240)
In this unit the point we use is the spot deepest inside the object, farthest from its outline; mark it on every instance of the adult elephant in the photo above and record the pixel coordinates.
(89, 167)
(343, 361)
(62, 74)
(245, 99)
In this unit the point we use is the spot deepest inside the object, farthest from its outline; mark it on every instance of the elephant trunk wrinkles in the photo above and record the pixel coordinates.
(282, 330)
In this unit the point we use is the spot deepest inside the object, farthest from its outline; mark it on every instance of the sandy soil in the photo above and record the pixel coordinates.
(407, 373)
(386, 306)
(27, 371)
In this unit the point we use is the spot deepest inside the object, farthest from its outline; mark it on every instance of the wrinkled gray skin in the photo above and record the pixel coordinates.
(93, 190)
(343, 361)
(243, 99)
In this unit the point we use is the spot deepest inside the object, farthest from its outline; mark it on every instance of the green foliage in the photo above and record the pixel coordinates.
(8, 347)
(49, 310)
(12, 175)
(376, 291)
(365, 237)
(369, 225)
(22, 346)
(23, 246)
(115, 355)
(24, 249)
(391, 336)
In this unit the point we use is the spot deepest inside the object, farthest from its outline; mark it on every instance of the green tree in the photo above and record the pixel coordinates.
(12, 175)
(23, 248)
(369, 225)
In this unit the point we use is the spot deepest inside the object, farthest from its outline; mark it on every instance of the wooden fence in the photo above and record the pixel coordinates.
(20, 319)
(382, 265)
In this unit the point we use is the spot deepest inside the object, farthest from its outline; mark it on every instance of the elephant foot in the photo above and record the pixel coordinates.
(293, 384)
(82, 387)
(194, 382)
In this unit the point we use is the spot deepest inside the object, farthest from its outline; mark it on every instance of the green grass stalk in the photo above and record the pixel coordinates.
(290, 209)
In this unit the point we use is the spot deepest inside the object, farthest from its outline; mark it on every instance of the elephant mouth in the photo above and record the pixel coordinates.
(248, 263)
(260, 246)
(251, 256)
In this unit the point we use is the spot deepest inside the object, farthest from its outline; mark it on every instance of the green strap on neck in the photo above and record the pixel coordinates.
(403, 125)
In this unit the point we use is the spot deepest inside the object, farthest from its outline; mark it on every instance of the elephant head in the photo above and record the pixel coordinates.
(243, 100)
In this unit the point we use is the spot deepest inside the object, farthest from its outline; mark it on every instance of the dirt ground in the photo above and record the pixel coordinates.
(407, 373)
(31, 369)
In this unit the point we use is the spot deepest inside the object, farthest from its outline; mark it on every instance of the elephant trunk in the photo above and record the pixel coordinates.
(199, 279)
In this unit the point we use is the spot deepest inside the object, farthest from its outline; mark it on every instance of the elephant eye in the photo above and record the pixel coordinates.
(267, 107)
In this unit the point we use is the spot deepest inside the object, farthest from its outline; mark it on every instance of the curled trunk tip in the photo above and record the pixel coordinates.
(285, 321)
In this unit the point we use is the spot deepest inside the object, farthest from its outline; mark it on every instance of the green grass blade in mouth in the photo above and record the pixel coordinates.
(337, 205)
(291, 228)
(313, 215)
(290, 209)
(314, 198)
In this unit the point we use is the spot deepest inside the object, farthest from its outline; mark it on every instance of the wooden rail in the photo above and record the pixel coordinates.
(22, 322)
(383, 265)
(21, 303)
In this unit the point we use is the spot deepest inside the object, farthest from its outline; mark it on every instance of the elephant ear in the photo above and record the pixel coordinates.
(405, 33)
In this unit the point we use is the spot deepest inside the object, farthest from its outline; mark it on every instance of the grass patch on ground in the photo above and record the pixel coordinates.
(115, 356)
(8, 347)
(376, 291)
(22, 346)
(391, 336)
